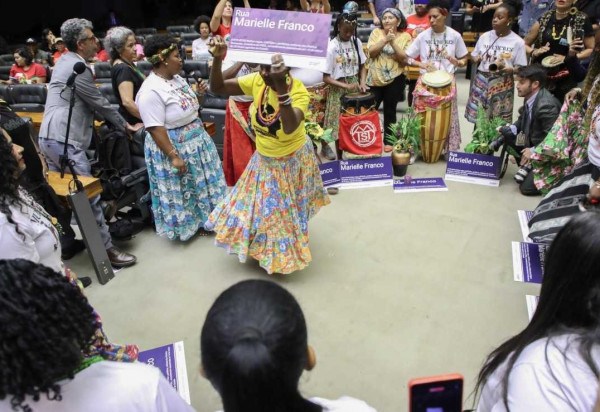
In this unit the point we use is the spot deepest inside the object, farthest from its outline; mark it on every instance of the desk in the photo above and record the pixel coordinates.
(79, 203)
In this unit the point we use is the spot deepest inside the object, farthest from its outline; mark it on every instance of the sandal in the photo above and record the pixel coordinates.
(333, 190)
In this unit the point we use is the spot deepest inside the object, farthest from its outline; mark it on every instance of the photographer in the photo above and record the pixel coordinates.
(536, 118)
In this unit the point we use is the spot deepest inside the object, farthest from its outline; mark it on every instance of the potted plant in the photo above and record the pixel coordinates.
(317, 133)
(404, 136)
(485, 132)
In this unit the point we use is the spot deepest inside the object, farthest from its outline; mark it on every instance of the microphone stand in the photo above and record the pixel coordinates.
(64, 158)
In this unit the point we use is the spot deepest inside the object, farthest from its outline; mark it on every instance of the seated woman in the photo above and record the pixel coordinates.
(25, 70)
(499, 52)
(186, 175)
(48, 327)
(200, 46)
(551, 37)
(254, 348)
(571, 153)
(553, 364)
(266, 214)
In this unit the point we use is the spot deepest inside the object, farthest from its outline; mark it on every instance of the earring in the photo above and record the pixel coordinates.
(573, 11)
(166, 63)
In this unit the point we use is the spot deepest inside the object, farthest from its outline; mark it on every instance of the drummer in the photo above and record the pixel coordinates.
(439, 48)
(345, 71)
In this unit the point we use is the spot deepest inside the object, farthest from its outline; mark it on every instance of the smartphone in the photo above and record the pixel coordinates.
(442, 393)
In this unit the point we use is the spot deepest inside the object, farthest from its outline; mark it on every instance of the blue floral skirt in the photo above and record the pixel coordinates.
(266, 214)
(181, 203)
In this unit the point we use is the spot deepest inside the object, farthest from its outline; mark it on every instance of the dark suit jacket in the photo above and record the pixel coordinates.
(544, 112)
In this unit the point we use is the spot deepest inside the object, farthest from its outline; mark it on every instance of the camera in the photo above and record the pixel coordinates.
(499, 141)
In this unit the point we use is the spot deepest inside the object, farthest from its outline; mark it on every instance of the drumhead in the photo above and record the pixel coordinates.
(438, 78)
(548, 62)
(358, 96)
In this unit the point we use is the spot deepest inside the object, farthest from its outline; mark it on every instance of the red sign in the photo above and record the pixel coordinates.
(361, 134)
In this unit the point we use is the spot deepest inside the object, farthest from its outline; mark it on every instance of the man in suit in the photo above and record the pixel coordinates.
(81, 42)
(536, 118)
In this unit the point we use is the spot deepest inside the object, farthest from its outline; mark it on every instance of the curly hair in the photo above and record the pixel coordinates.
(115, 40)
(199, 20)
(9, 183)
(26, 54)
(47, 327)
(73, 30)
(156, 43)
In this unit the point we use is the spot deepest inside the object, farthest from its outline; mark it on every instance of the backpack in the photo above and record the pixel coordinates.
(114, 158)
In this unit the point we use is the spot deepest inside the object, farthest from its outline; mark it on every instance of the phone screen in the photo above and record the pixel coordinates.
(437, 396)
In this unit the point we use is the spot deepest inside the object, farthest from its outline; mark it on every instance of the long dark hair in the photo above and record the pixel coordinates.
(47, 325)
(9, 183)
(569, 298)
(254, 349)
(336, 31)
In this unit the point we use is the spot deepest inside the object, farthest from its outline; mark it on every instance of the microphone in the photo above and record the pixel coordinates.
(78, 68)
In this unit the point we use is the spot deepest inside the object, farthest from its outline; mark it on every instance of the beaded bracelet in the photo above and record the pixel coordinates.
(171, 152)
(286, 102)
(283, 96)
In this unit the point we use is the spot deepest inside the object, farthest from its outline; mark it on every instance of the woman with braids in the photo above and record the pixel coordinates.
(554, 363)
(498, 52)
(345, 71)
(186, 175)
(387, 58)
(47, 351)
(266, 215)
(567, 163)
(254, 346)
(552, 36)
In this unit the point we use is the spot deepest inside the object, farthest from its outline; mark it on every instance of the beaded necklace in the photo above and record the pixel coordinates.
(267, 115)
(436, 48)
(48, 221)
(346, 62)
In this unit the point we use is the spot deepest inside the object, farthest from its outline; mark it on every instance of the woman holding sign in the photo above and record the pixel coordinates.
(266, 214)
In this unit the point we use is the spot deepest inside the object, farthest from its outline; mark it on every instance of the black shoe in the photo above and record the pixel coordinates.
(120, 259)
(85, 281)
(68, 252)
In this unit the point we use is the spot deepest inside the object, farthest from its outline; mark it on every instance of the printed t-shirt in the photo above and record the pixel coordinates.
(383, 68)
(430, 47)
(417, 24)
(168, 103)
(224, 32)
(271, 141)
(490, 47)
(342, 58)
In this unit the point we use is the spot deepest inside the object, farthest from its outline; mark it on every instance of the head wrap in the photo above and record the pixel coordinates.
(423, 2)
(394, 11)
(161, 55)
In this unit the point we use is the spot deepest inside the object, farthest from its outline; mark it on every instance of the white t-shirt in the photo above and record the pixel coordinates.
(38, 238)
(200, 49)
(342, 58)
(431, 47)
(343, 404)
(407, 7)
(115, 387)
(227, 63)
(594, 139)
(308, 77)
(510, 49)
(168, 103)
(558, 383)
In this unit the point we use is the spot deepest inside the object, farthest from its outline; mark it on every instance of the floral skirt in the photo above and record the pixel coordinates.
(334, 106)
(495, 92)
(181, 204)
(266, 214)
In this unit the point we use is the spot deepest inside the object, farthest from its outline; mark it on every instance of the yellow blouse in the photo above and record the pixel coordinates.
(384, 68)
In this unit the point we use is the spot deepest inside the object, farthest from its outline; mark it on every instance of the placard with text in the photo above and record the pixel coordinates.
(330, 173)
(301, 38)
(170, 359)
(374, 172)
(524, 217)
(473, 168)
(420, 184)
(528, 261)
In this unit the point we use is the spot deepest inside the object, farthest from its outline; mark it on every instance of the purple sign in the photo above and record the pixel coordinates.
(524, 218)
(170, 359)
(421, 184)
(528, 261)
(473, 168)
(330, 173)
(302, 38)
(366, 172)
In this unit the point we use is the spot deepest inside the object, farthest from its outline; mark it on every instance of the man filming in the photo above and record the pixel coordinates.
(536, 118)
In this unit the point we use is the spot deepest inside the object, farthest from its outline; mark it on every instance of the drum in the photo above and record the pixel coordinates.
(436, 88)
(357, 103)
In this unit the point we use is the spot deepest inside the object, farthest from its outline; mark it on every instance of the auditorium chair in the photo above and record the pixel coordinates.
(216, 116)
(145, 31)
(188, 38)
(5, 94)
(107, 91)
(364, 33)
(102, 72)
(200, 69)
(144, 66)
(4, 72)
(28, 97)
(7, 59)
(178, 30)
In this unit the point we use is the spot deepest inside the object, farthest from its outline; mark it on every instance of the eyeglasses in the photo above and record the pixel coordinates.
(92, 37)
